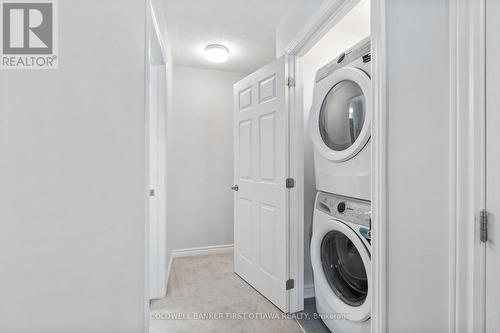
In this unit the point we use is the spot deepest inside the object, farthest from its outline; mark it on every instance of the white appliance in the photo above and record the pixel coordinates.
(340, 256)
(340, 121)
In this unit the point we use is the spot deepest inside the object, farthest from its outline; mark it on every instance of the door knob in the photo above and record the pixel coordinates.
(235, 188)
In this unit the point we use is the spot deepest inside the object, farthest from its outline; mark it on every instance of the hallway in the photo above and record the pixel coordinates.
(203, 286)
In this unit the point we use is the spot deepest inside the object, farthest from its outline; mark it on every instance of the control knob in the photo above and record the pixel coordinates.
(341, 207)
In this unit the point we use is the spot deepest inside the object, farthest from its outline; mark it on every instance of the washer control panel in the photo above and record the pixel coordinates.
(344, 208)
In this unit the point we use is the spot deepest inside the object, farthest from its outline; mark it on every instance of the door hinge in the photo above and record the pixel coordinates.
(290, 283)
(290, 82)
(290, 183)
(483, 226)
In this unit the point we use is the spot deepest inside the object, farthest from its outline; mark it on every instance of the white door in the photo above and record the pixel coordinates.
(260, 172)
(493, 165)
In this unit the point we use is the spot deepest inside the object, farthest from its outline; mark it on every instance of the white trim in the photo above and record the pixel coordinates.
(170, 261)
(467, 96)
(379, 167)
(327, 15)
(147, 17)
(156, 79)
(201, 251)
(158, 33)
(309, 291)
(454, 60)
(296, 199)
(478, 110)
(296, 194)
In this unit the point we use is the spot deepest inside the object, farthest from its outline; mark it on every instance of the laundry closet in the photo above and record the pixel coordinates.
(336, 89)
(350, 30)
(302, 129)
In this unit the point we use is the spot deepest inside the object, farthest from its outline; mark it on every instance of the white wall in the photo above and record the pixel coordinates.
(72, 175)
(200, 158)
(351, 29)
(418, 164)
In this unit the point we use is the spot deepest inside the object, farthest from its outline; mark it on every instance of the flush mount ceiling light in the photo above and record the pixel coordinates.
(217, 53)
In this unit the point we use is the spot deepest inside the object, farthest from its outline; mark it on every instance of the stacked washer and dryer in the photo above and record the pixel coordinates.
(340, 126)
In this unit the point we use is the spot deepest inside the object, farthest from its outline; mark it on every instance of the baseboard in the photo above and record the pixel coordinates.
(202, 251)
(309, 291)
(168, 270)
(197, 251)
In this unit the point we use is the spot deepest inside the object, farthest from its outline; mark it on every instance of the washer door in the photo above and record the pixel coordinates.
(340, 117)
(341, 265)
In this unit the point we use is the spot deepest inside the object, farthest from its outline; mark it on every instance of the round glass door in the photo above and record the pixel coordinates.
(342, 115)
(344, 268)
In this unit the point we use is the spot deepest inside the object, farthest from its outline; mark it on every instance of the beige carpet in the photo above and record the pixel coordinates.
(205, 286)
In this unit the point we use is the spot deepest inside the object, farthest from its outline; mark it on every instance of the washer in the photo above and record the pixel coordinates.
(340, 256)
(340, 121)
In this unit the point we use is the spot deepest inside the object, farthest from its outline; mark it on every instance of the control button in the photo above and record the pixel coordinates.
(341, 207)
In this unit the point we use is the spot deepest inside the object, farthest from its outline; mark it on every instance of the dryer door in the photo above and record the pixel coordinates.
(340, 116)
(341, 265)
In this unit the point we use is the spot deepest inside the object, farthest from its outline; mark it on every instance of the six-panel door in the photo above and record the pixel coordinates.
(260, 171)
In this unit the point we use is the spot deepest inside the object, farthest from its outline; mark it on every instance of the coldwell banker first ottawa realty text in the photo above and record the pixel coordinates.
(29, 34)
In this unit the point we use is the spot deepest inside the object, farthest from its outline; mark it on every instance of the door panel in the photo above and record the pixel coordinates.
(245, 147)
(268, 148)
(267, 89)
(244, 225)
(260, 171)
(267, 237)
(245, 98)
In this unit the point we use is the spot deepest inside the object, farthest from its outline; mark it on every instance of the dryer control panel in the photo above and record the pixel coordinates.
(344, 208)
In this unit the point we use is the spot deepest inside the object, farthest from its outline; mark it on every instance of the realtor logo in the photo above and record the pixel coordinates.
(29, 34)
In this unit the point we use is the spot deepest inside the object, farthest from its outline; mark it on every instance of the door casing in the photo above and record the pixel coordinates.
(467, 164)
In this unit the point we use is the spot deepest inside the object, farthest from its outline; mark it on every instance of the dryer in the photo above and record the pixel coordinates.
(340, 257)
(340, 124)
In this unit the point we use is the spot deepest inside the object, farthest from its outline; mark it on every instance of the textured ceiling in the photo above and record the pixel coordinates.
(246, 27)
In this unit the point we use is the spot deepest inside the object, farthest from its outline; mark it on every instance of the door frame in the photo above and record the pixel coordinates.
(147, 21)
(329, 14)
(160, 191)
(158, 85)
(467, 37)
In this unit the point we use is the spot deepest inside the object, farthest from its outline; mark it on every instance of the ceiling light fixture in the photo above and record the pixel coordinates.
(217, 53)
